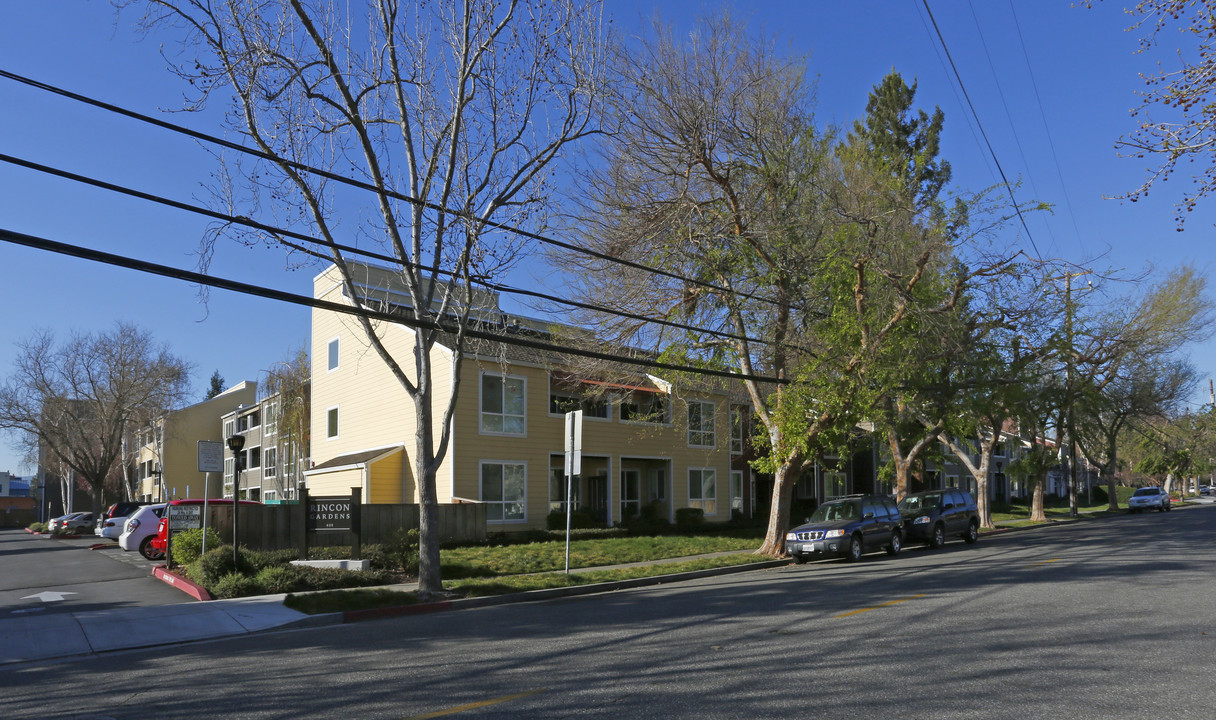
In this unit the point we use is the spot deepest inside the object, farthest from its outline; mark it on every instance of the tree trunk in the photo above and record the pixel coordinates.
(1037, 513)
(902, 466)
(784, 482)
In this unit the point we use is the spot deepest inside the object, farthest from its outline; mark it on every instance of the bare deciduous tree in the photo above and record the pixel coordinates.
(76, 402)
(462, 106)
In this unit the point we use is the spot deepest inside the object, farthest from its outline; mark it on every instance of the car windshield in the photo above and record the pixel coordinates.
(843, 510)
(916, 503)
(1145, 491)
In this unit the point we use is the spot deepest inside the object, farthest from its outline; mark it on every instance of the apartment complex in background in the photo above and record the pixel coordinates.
(272, 463)
(166, 460)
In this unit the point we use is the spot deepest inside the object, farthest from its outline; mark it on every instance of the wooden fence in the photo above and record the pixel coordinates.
(280, 527)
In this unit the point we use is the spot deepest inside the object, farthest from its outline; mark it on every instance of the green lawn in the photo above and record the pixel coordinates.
(1012, 514)
(550, 556)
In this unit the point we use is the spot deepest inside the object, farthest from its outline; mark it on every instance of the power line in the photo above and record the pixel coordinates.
(395, 317)
(372, 188)
(1046, 126)
(282, 232)
(958, 76)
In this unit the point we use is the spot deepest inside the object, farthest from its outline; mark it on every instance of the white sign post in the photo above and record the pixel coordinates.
(574, 466)
(210, 460)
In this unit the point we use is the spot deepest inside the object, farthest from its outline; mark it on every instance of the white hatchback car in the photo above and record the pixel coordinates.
(140, 529)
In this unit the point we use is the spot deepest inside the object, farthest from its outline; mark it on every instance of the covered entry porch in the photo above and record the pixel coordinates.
(639, 486)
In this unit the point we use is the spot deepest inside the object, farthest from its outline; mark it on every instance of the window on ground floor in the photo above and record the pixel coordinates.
(736, 490)
(703, 489)
(504, 491)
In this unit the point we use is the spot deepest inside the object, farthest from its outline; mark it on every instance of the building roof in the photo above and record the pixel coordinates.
(352, 459)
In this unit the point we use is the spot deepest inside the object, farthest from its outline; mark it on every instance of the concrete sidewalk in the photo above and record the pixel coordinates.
(41, 637)
(34, 637)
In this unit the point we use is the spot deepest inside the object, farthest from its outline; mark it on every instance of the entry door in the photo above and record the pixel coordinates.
(631, 493)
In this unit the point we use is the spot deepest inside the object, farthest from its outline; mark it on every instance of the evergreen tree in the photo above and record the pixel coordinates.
(907, 141)
(216, 387)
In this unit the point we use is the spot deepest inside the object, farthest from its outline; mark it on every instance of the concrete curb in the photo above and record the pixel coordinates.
(198, 592)
(549, 593)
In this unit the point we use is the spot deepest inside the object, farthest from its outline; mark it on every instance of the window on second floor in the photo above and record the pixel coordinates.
(736, 431)
(701, 424)
(503, 400)
(564, 399)
(333, 355)
(646, 407)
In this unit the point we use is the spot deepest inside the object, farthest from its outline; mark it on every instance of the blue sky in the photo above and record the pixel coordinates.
(1065, 83)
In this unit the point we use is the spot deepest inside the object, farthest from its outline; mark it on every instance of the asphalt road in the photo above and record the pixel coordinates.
(1109, 619)
(44, 575)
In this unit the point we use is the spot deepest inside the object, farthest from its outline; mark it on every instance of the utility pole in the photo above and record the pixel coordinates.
(1069, 398)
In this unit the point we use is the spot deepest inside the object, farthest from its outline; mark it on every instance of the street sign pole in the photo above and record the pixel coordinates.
(574, 466)
(210, 460)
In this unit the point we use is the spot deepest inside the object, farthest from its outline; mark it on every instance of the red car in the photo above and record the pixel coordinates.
(161, 540)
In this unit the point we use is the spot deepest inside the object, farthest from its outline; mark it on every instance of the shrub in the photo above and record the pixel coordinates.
(280, 579)
(579, 520)
(232, 585)
(209, 569)
(646, 526)
(688, 518)
(38, 527)
(399, 553)
(188, 545)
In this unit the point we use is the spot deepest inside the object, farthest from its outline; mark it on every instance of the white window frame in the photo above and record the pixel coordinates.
(481, 404)
(708, 505)
(700, 430)
(523, 502)
(736, 431)
(333, 354)
(270, 460)
(333, 409)
(736, 501)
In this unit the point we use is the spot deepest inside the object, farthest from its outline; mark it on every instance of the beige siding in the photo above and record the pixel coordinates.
(184, 429)
(375, 411)
(335, 484)
(373, 408)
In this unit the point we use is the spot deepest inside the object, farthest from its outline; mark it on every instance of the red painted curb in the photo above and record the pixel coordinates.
(395, 611)
(197, 592)
(102, 546)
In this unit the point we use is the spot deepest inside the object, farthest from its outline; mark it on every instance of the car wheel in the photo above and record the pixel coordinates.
(939, 536)
(798, 559)
(855, 549)
(149, 552)
(896, 544)
(973, 533)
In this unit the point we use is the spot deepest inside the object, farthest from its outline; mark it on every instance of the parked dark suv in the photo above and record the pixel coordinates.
(848, 527)
(931, 516)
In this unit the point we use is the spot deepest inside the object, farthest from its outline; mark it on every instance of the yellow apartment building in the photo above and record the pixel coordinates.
(167, 456)
(646, 446)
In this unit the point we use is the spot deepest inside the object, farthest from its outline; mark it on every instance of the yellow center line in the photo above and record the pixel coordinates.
(880, 605)
(476, 705)
(1045, 562)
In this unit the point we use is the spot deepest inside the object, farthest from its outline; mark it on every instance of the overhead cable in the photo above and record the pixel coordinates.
(282, 232)
(372, 188)
(130, 263)
(1004, 179)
